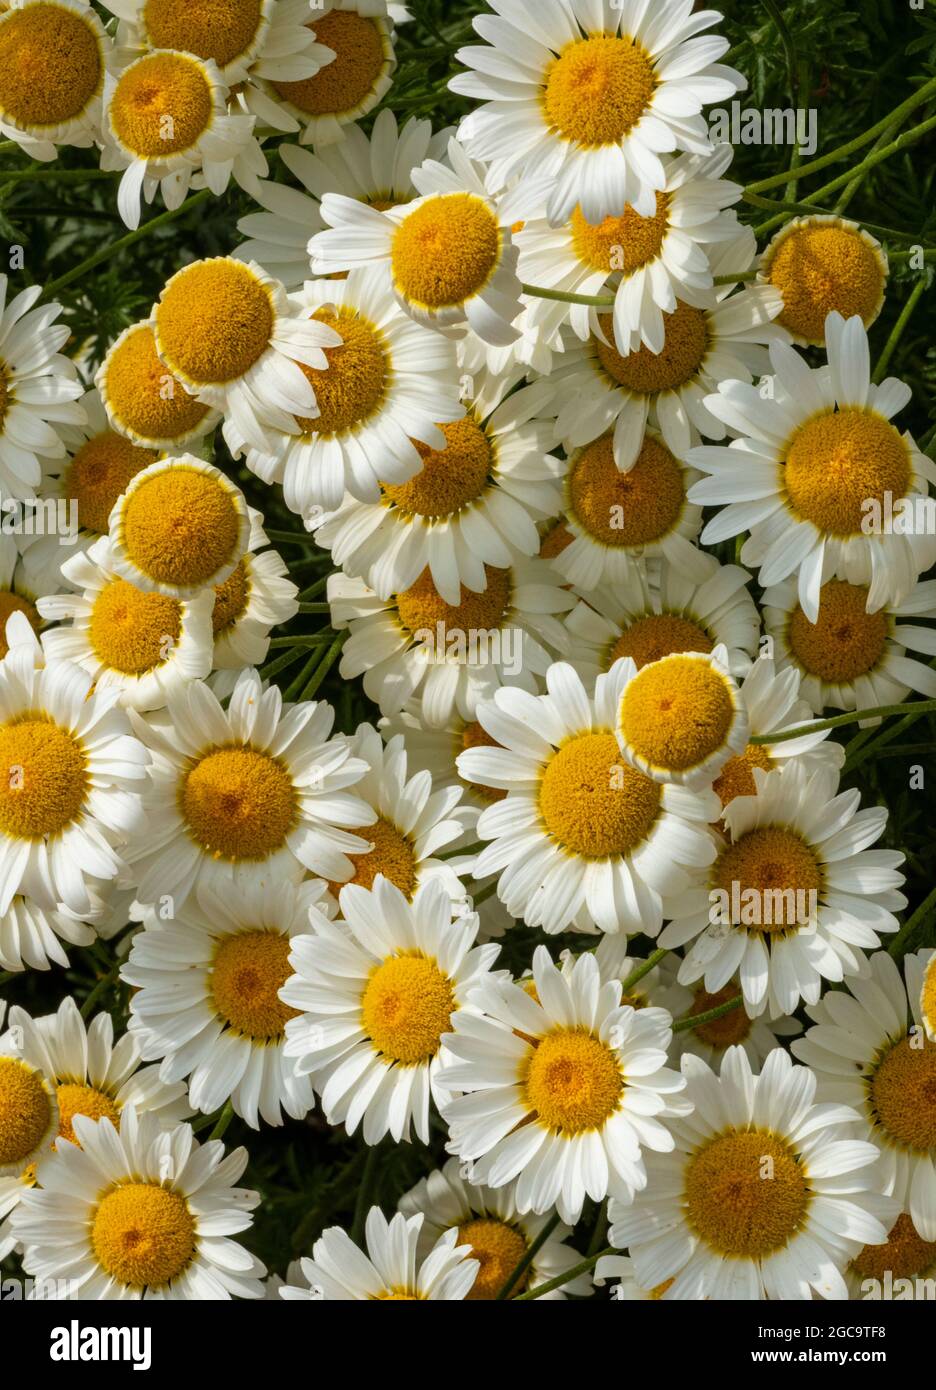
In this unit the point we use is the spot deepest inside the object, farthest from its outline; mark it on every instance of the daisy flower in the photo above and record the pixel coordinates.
(140, 1213)
(207, 1000)
(451, 656)
(376, 169)
(53, 58)
(38, 386)
(375, 992)
(649, 261)
(254, 793)
(33, 937)
(904, 1256)
(561, 1092)
(681, 718)
(256, 596)
(17, 592)
(145, 644)
(590, 95)
(392, 1271)
(710, 1224)
(581, 838)
(436, 750)
(928, 993)
(810, 466)
(382, 392)
(849, 658)
(487, 1220)
(143, 400)
(227, 331)
(448, 256)
(871, 1051)
(824, 264)
(756, 1036)
(29, 1116)
(475, 502)
(794, 897)
(179, 526)
(660, 611)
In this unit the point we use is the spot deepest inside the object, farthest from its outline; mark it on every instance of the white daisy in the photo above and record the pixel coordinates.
(258, 595)
(815, 457)
(906, 1257)
(143, 1213)
(29, 1116)
(17, 592)
(53, 58)
(143, 400)
(375, 992)
(709, 1226)
(794, 897)
(561, 1092)
(33, 937)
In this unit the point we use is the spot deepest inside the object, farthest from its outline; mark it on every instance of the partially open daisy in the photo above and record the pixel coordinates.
(474, 503)
(591, 97)
(227, 331)
(562, 1091)
(29, 1114)
(581, 838)
(905, 1256)
(680, 719)
(373, 994)
(384, 389)
(140, 1213)
(248, 794)
(849, 658)
(450, 656)
(206, 997)
(813, 470)
(53, 58)
(144, 643)
(179, 526)
(256, 596)
(757, 1036)
(143, 400)
(662, 611)
(766, 1195)
(872, 1052)
(794, 897)
(824, 264)
(448, 255)
(487, 1220)
(374, 168)
(392, 1271)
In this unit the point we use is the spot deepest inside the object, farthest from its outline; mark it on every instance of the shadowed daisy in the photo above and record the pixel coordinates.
(143, 400)
(823, 264)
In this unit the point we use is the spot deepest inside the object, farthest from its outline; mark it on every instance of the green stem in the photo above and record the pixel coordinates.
(581, 1268)
(305, 639)
(313, 589)
(363, 1204)
(851, 188)
(280, 663)
(315, 608)
(813, 209)
(854, 717)
(710, 1015)
(897, 946)
(887, 351)
(327, 662)
(643, 969)
(601, 301)
(102, 985)
(732, 276)
(224, 1119)
(298, 683)
(878, 738)
(523, 1264)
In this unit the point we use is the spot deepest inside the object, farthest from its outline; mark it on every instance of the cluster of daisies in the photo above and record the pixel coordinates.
(583, 722)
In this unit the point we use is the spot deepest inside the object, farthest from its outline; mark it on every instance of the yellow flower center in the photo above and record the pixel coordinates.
(677, 712)
(161, 105)
(44, 780)
(819, 267)
(231, 598)
(406, 1007)
(655, 635)
(99, 473)
(737, 776)
(133, 632)
(905, 1254)
(592, 802)
(249, 970)
(644, 372)
(498, 1248)
(845, 641)
(782, 871)
(180, 527)
(473, 735)
(420, 608)
(445, 250)
(339, 87)
(746, 1194)
(143, 396)
(218, 29)
(76, 1099)
(622, 243)
(398, 1296)
(143, 1235)
(450, 477)
(25, 1110)
(837, 462)
(352, 387)
(391, 856)
(626, 509)
(555, 541)
(571, 1081)
(928, 996)
(238, 803)
(597, 89)
(731, 1028)
(15, 603)
(214, 321)
(50, 65)
(902, 1095)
